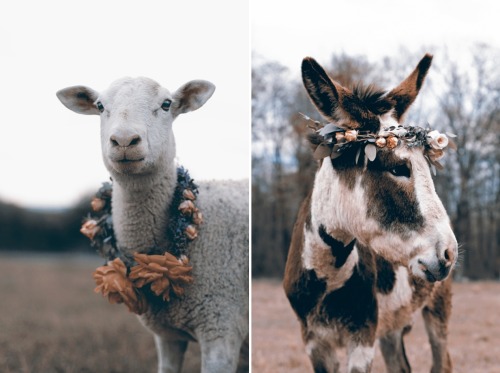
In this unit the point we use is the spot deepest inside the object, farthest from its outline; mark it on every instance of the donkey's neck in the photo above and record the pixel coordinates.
(141, 211)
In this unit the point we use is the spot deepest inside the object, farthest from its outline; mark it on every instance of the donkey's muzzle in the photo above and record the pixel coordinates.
(435, 271)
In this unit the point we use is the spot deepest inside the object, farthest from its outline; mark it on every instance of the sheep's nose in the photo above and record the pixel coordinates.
(125, 140)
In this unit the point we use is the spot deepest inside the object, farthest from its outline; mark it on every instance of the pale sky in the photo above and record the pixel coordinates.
(287, 31)
(50, 156)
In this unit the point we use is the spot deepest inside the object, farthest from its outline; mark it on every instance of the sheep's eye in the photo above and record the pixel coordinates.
(166, 105)
(401, 170)
(100, 106)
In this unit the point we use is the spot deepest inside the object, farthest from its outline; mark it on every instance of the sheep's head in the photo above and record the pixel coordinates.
(136, 120)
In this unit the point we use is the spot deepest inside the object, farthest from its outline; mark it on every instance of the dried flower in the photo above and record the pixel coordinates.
(187, 207)
(188, 194)
(351, 135)
(191, 232)
(90, 228)
(197, 217)
(435, 154)
(163, 272)
(112, 282)
(380, 142)
(339, 136)
(97, 204)
(392, 142)
(437, 140)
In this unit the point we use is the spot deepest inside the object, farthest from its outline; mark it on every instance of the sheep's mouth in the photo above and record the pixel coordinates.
(129, 161)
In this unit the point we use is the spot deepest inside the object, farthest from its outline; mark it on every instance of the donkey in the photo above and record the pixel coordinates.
(372, 243)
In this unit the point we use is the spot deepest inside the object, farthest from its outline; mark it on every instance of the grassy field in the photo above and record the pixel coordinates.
(51, 321)
(474, 337)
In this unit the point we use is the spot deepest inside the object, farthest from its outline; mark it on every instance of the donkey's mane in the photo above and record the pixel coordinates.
(374, 98)
(371, 98)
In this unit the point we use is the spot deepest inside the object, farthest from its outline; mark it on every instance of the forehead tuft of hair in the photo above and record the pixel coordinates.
(374, 98)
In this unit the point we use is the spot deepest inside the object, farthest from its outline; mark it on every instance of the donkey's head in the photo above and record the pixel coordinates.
(136, 120)
(374, 182)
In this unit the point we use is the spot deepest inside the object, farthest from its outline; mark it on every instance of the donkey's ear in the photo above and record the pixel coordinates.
(324, 92)
(192, 96)
(406, 92)
(80, 99)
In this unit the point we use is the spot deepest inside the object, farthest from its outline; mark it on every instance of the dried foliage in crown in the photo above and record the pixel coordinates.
(332, 141)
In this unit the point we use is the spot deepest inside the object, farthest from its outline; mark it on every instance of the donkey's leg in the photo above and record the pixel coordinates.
(221, 355)
(322, 355)
(170, 354)
(360, 357)
(436, 316)
(393, 351)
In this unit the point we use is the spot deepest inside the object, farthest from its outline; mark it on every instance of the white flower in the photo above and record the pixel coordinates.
(351, 135)
(437, 140)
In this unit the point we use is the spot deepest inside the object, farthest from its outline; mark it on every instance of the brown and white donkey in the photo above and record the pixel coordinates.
(372, 243)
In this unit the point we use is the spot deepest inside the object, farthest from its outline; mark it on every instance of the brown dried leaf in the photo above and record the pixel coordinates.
(112, 281)
(165, 273)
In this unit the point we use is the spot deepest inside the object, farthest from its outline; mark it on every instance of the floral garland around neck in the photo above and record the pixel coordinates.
(337, 140)
(163, 272)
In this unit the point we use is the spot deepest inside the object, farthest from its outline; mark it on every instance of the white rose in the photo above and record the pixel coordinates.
(437, 140)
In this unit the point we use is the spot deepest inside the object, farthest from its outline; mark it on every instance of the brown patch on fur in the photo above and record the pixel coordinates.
(391, 203)
(406, 92)
(294, 269)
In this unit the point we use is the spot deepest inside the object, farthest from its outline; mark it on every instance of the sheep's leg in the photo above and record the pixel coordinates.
(322, 354)
(436, 316)
(170, 354)
(360, 358)
(393, 351)
(220, 355)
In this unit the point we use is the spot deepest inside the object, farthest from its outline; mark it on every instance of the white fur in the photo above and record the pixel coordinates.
(387, 120)
(138, 149)
(400, 295)
(360, 358)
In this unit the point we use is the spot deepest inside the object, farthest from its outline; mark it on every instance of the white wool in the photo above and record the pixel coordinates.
(138, 148)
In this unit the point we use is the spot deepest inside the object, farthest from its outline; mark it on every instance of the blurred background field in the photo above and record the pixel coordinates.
(52, 321)
(474, 334)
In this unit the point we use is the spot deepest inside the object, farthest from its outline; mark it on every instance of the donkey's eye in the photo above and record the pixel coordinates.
(166, 105)
(401, 170)
(100, 106)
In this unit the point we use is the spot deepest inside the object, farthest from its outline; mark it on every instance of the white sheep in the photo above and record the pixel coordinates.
(138, 148)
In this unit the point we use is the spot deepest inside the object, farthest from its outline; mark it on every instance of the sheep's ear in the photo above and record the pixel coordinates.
(80, 99)
(192, 96)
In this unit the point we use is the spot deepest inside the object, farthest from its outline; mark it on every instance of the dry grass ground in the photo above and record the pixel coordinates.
(474, 337)
(51, 321)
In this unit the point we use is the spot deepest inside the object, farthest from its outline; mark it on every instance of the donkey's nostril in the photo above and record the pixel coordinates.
(449, 255)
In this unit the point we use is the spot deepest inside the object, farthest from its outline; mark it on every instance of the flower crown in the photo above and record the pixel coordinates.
(337, 140)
